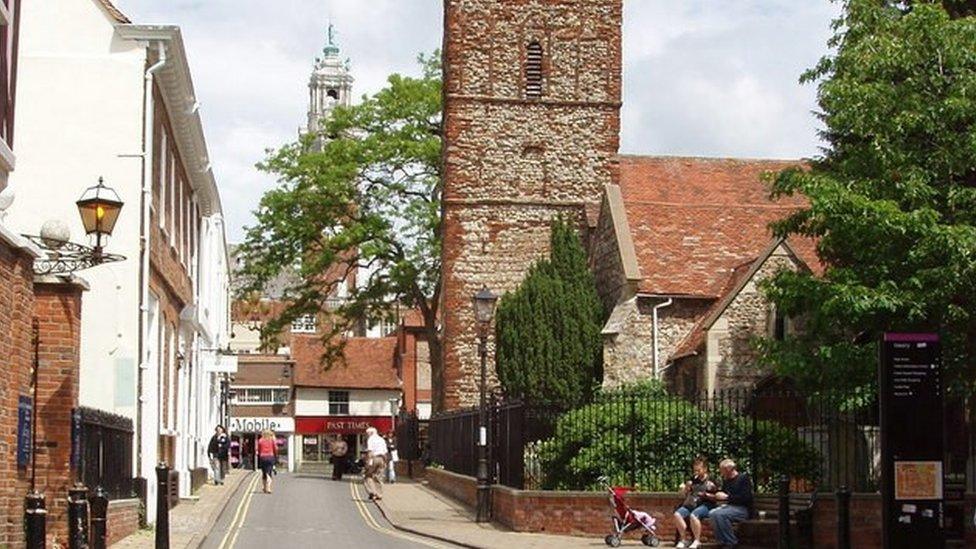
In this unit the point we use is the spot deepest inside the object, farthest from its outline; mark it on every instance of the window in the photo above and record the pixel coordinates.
(304, 324)
(260, 395)
(533, 70)
(338, 403)
(163, 195)
(779, 326)
(333, 93)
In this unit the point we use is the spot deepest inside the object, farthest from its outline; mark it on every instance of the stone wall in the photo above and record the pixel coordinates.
(605, 261)
(628, 355)
(16, 311)
(512, 162)
(747, 317)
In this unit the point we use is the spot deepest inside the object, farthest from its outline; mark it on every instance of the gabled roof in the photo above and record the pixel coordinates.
(693, 220)
(741, 275)
(368, 363)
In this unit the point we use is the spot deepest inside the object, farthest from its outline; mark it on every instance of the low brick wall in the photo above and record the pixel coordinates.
(588, 513)
(123, 518)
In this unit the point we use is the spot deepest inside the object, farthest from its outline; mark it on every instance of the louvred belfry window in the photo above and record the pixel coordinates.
(533, 71)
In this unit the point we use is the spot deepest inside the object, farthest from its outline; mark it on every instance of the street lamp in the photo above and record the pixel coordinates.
(484, 309)
(99, 207)
(394, 404)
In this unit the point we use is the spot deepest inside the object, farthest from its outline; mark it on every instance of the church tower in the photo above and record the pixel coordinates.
(329, 85)
(532, 122)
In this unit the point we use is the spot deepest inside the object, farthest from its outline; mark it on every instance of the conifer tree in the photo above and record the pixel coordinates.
(548, 344)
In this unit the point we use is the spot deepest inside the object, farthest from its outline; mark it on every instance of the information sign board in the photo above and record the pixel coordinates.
(912, 445)
(25, 415)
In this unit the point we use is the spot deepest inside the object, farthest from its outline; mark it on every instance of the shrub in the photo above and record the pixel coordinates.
(650, 442)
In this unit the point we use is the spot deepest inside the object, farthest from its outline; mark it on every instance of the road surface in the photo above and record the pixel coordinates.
(306, 511)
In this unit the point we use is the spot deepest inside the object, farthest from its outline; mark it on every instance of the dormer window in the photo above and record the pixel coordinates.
(533, 70)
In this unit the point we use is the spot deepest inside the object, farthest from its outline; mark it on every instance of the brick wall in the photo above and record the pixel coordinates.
(512, 163)
(123, 518)
(57, 307)
(587, 513)
(16, 310)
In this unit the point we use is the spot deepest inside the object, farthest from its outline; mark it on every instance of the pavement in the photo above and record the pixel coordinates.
(413, 507)
(190, 521)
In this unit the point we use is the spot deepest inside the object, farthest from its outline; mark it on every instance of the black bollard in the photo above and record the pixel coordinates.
(78, 517)
(162, 506)
(35, 520)
(99, 519)
(843, 518)
(784, 512)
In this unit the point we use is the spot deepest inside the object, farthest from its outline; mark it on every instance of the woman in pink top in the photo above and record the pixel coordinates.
(267, 457)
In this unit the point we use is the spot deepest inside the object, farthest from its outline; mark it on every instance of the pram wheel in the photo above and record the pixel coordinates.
(650, 541)
(612, 540)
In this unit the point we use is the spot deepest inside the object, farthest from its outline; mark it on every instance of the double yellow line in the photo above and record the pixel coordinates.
(240, 515)
(371, 522)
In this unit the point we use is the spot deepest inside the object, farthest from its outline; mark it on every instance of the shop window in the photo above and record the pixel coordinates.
(338, 403)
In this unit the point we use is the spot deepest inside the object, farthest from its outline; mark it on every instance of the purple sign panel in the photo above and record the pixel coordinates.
(912, 440)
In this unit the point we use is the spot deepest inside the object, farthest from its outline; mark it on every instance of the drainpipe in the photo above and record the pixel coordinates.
(663, 304)
(147, 148)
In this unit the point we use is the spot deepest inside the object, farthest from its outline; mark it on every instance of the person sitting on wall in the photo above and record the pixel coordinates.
(694, 508)
(734, 502)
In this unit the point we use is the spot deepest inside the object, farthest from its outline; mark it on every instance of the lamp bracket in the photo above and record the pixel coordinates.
(68, 257)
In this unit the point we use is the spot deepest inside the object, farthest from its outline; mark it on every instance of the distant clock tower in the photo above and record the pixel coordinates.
(329, 85)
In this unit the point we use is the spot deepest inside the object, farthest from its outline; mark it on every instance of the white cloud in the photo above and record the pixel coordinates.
(700, 77)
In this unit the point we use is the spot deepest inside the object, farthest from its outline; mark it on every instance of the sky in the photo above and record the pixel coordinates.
(701, 77)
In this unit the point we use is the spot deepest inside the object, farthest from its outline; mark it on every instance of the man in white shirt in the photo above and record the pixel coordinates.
(376, 451)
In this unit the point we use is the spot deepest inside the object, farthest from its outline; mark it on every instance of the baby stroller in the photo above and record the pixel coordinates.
(626, 519)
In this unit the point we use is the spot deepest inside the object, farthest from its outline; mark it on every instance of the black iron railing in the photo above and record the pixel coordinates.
(106, 453)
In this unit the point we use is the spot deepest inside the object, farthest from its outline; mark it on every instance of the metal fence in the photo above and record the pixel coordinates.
(106, 452)
(648, 440)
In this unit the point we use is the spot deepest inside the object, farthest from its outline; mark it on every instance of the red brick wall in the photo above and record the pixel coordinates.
(57, 308)
(513, 163)
(123, 519)
(459, 487)
(16, 310)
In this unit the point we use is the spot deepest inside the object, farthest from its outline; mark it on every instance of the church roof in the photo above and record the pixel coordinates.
(694, 220)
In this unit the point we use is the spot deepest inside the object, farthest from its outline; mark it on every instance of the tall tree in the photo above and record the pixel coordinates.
(548, 344)
(892, 198)
(364, 195)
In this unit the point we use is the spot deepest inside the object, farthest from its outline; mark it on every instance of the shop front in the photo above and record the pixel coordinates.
(245, 432)
(316, 434)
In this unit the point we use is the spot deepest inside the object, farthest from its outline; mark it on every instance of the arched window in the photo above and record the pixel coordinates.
(533, 70)
(333, 93)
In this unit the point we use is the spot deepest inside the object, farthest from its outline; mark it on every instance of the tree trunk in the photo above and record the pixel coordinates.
(434, 344)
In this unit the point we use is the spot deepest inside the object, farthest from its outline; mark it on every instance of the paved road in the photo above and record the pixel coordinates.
(305, 511)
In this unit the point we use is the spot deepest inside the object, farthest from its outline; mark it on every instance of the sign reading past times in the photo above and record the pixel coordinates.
(342, 424)
(912, 425)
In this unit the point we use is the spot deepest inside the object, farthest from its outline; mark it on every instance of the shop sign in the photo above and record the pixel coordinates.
(258, 424)
(342, 424)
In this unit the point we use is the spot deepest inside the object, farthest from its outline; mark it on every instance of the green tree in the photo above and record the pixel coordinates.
(548, 344)
(892, 198)
(364, 193)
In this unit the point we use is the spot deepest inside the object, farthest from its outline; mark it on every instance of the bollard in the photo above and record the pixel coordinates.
(843, 518)
(162, 506)
(784, 512)
(78, 517)
(99, 519)
(35, 520)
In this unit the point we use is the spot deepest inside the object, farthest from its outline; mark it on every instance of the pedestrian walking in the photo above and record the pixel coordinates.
(218, 451)
(339, 449)
(267, 448)
(376, 451)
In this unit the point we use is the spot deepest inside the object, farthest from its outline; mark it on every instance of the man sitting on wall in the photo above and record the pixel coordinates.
(734, 502)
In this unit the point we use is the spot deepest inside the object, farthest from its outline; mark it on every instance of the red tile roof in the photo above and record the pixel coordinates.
(693, 220)
(368, 363)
